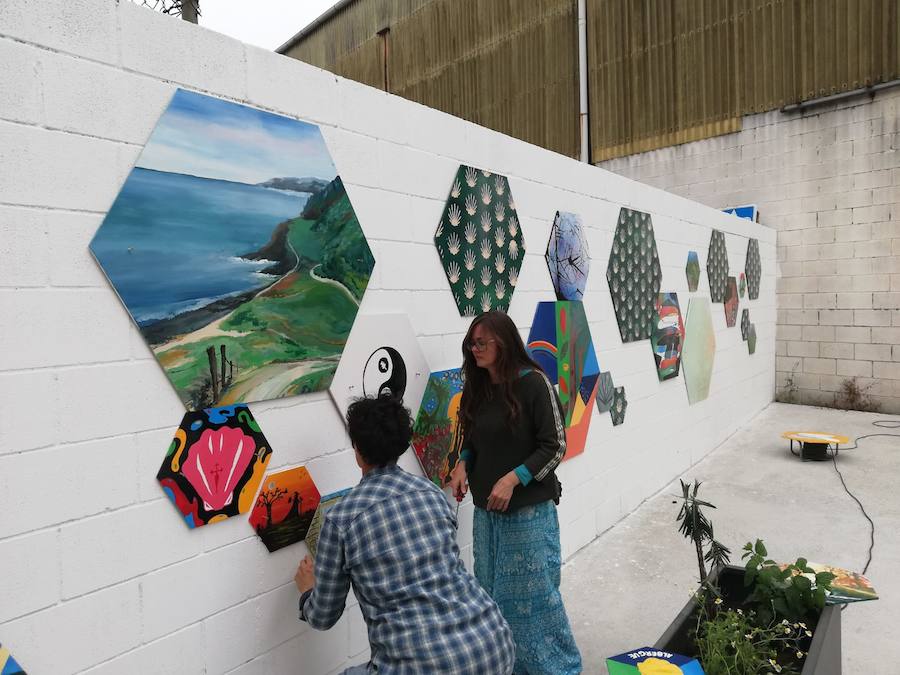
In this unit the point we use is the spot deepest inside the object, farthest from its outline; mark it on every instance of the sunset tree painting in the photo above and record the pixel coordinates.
(284, 508)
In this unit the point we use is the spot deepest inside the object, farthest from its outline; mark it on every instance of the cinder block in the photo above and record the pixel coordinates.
(22, 232)
(21, 82)
(888, 370)
(834, 218)
(30, 580)
(872, 179)
(84, 632)
(83, 27)
(870, 282)
(887, 336)
(877, 352)
(870, 249)
(836, 350)
(854, 301)
(28, 400)
(803, 349)
(181, 52)
(818, 333)
(819, 301)
(175, 654)
(103, 549)
(872, 317)
(819, 366)
(853, 368)
(835, 317)
(856, 334)
(886, 300)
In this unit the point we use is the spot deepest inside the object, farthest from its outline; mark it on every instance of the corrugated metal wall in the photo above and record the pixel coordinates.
(510, 65)
(671, 71)
(661, 72)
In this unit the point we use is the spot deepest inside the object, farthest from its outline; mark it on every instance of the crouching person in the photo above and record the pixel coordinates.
(393, 539)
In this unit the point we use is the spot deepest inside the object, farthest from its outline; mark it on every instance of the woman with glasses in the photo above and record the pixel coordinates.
(511, 439)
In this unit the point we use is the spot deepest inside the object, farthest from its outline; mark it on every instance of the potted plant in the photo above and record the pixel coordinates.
(760, 618)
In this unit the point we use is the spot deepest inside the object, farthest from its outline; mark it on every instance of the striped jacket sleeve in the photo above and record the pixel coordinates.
(549, 426)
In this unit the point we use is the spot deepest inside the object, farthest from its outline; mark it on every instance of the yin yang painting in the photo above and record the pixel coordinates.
(382, 356)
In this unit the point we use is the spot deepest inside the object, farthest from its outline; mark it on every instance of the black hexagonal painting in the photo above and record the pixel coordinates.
(717, 266)
(754, 269)
(634, 275)
(479, 241)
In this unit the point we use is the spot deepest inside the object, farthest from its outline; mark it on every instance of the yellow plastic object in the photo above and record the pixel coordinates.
(815, 437)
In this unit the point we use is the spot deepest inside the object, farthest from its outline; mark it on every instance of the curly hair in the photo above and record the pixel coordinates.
(380, 428)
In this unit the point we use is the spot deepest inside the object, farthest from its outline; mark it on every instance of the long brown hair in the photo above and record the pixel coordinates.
(511, 358)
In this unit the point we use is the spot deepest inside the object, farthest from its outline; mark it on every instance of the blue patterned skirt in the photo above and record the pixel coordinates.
(517, 560)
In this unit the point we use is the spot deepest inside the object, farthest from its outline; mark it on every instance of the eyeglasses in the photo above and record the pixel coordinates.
(479, 345)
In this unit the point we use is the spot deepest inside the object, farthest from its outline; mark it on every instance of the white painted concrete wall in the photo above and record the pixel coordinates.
(829, 182)
(97, 571)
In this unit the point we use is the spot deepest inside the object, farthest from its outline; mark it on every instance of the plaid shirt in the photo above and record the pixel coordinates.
(393, 537)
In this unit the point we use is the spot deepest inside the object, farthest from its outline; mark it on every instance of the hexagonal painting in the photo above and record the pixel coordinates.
(479, 241)
(214, 465)
(742, 285)
(745, 323)
(634, 274)
(606, 391)
(717, 266)
(235, 249)
(325, 505)
(731, 302)
(668, 336)
(751, 339)
(8, 665)
(285, 508)
(620, 403)
(434, 432)
(754, 269)
(560, 342)
(382, 355)
(692, 270)
(568, 257)
(699, 350)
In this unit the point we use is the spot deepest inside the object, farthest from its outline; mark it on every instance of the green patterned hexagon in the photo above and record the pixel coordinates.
(479, 241)
(717, 266)
(754, 269)
(634, 275)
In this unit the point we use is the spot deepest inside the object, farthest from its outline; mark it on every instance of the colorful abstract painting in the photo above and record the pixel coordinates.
(717, 266)
(620, 404)
(382, 356)
(606, 392)
(284, 508)
(692, 270)
(235, 249)
(325, 505)
(754, 269)
(568, 257)
(731, 302)
(560, 342)
(214, 465)
(668, 336)
(479, 241)
(652, 661)
(634, 274)
(8, 665)
(434, 432)
(699, 350)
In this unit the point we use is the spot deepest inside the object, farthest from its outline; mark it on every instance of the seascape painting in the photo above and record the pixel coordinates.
(236, 251)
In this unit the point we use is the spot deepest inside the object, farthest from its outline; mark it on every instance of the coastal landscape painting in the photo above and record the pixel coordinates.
(235, 249)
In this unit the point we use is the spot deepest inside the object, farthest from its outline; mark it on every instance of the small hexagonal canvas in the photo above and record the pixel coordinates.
(634, 274)
(382, 355)
(731, 302)
(699, 350)
(235, 249)
(435, 428)
(325, 505)
(620, 404)
(668, 336)
(742, 285)
(754, 269)
(606, 391)
(479, 241)
(745, 323)
(284, 508)
(717, 266)
(568, 257)
(214, 465)
(692, 270)
(560, 342)
(751, 339)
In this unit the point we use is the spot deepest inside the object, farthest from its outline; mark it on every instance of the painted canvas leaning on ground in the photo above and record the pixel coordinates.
(236, 251)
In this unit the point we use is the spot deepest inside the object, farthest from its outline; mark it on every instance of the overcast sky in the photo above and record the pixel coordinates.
(264, 23)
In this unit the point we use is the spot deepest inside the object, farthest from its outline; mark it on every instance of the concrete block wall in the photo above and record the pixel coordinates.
(97, 572)
(828, 181)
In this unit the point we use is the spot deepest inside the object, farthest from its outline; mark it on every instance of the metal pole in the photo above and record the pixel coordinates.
(583, 80)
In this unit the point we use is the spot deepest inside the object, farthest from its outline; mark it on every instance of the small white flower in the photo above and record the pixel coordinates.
(718, 601)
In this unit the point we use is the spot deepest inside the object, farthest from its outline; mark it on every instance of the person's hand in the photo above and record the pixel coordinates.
(502, 492)
(305, 577)
(458, 480)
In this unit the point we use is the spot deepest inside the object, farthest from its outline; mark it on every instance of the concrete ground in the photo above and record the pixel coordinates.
(624, 589)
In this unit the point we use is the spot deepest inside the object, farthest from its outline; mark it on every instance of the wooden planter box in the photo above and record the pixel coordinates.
(824, 653)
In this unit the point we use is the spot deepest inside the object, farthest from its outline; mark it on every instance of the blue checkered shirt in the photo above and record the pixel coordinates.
(393, 538)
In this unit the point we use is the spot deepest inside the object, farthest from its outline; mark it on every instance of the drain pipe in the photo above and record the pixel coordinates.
(583, 80)
(870, 90)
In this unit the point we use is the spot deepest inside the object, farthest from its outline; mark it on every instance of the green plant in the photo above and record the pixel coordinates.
(694, 525)
(793, 592)
(853, 397)
(734, 642)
